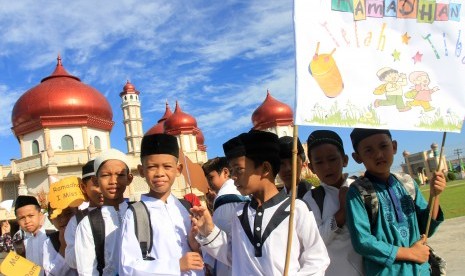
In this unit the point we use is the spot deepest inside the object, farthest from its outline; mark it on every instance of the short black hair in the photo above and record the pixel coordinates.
(215, 164)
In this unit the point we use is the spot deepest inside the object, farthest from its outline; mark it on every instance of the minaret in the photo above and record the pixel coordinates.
(132, 118)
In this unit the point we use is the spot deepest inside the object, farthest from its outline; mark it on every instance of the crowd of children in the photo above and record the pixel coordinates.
(367, 225)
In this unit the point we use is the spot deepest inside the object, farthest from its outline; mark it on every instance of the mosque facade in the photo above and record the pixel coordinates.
(61, 123)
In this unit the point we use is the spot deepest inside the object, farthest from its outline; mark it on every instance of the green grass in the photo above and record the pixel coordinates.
(452, 200)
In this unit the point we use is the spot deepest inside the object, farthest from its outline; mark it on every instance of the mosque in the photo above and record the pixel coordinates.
(61, 123)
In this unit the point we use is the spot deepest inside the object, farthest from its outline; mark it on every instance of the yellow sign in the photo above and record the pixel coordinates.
(14, 264)
(65, 193)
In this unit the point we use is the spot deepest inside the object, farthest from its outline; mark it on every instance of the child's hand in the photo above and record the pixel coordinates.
(437, 183)
(193, 244)
(201, 220)
(191, 261)
(420, 251)
(6, 228)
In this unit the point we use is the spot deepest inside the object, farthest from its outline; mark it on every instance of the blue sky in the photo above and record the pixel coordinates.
(217, 59)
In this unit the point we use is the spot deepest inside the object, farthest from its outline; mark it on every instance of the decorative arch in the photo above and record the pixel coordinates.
(35, 147)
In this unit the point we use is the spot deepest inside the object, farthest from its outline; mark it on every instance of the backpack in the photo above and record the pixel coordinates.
(143, 226)
(55, 240)
(302, 188)
(97, 225)
(368, 193)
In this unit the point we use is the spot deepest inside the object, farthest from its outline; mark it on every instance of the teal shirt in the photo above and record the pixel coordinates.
(379, 248)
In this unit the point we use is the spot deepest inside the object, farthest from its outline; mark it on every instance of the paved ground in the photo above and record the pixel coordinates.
(449, 243)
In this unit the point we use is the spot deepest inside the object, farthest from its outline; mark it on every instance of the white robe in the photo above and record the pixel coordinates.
(308, 253)
(86, 259)
(223, 217)
(170, 227)
(344, 259)
(34, 246)
(70, 235)
(54, 264)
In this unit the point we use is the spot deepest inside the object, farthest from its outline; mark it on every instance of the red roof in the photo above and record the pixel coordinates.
(180, 122)
(60, 100)
(272, 113)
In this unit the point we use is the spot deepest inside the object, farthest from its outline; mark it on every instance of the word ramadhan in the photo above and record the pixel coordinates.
(424, 11)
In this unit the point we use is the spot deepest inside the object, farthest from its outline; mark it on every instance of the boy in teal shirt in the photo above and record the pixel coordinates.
(391, 244)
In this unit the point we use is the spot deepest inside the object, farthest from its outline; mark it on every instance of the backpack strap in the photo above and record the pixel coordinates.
(80, 214)
(55, 240)
(318, 195)
(143, 228)
(187, 204)
(302, 188)
(368, 194)
(229, 198)
(407, 181)
(97, 225)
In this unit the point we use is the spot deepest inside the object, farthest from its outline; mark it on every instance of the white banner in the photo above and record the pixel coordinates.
(391, 64)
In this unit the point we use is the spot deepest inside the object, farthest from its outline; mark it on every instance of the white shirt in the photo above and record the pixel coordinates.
(86, 259)
(34, 246)
(70, 235)
(223, 217)
(171, 225)
(54, 264)
(344, 260)
(308, 252)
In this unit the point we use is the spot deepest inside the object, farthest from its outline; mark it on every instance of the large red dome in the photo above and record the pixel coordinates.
(61, 100)
(180, 122)
(160, 126)
(272, 113)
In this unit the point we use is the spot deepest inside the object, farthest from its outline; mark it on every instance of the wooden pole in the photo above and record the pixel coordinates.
(293, 195)
(433, 199)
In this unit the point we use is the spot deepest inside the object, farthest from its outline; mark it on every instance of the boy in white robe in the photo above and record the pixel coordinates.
(91, 191)
(113, 176)
(30, 219)
(174, 249)
(54, 263)
(327, 161)
(224, 205)
(258, 241)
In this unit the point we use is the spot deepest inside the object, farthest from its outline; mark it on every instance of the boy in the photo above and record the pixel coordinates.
(54, 247)
(91, 191)
(258, 242)
(113, 176)
(327, 160)
(285, 170)
(228, 197)
(391, 244)
(29, 217)
(174, 250)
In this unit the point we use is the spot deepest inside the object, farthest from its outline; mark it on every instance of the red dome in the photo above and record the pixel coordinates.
(160, 126)
(180, 122)
(129, 88)
(200, 140)
(272, 113)
(61, 100)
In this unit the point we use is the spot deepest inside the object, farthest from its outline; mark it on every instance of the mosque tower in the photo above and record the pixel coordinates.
(273, 116)
(132, 118)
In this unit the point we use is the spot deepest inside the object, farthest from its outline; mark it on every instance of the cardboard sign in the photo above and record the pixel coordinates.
(14, 264)
(65, 193)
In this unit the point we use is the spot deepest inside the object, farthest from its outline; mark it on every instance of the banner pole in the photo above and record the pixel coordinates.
(293, 195)
(433, 199)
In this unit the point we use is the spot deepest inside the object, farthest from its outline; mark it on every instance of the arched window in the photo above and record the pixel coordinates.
(67, 143)
(130, 97)
(97, 143)
(35, 147)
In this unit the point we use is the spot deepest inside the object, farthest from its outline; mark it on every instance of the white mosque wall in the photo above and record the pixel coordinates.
(28, 138)
(102, 135)
(36, 181)
(56, 135)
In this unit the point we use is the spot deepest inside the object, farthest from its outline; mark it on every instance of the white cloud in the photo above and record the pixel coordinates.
(8, 98)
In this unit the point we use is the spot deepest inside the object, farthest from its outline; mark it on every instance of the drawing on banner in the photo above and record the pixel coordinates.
(392, 88)
(380, 64)
(324, 69)
(421, 93)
